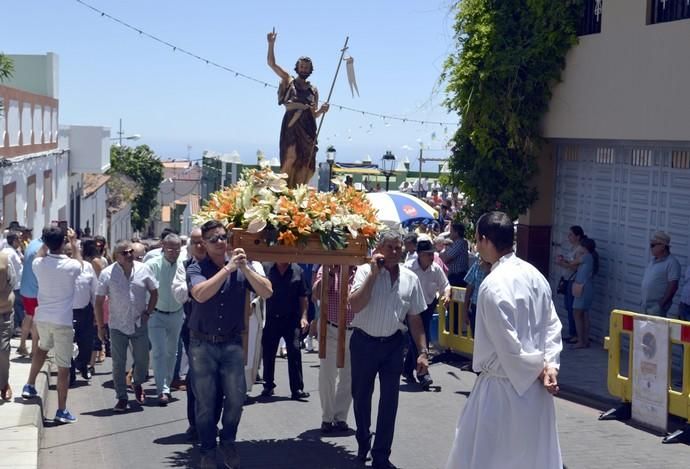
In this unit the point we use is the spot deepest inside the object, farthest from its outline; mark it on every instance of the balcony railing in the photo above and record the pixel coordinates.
(28, 123)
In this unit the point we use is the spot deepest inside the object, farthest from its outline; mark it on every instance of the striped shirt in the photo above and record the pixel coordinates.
(334, 296)
(457, 258)
(389, 305)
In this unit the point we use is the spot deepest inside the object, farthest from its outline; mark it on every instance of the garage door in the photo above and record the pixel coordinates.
(620, 193)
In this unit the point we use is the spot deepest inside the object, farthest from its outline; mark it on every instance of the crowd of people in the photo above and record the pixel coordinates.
(143, 305)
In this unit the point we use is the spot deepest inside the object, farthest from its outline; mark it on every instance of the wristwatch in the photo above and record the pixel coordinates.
(424, 351)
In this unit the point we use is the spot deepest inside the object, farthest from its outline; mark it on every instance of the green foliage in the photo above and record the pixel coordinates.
(6, 70)
(510, 53)
(6, 67)
(143, 166)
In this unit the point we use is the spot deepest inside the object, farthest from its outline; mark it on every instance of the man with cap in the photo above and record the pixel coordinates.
(434, 285)
(660, 280)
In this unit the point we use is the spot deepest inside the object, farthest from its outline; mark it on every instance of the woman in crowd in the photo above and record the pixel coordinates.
(575, 235)
(583, 290)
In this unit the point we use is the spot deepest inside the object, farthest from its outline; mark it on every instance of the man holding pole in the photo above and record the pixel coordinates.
(298, 131)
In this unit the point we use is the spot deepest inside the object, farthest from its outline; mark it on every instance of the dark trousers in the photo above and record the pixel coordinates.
(411, 355)
(371, 356)
(457, 280)
(191, 400)
(288, 329)
(82, 321)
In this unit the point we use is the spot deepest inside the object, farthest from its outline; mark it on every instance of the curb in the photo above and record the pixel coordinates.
(21, 437)
(586, 398)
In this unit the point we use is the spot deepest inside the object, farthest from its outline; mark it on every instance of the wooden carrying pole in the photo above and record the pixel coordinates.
(323, 315)
(342, 326)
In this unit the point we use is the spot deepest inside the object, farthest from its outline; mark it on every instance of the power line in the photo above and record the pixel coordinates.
(239, 74)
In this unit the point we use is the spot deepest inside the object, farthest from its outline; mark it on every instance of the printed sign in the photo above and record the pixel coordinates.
(650, 373)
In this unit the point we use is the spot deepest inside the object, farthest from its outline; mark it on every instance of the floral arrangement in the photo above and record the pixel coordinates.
(262, 202)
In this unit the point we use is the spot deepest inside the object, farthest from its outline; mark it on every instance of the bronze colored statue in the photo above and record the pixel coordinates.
(298, 130)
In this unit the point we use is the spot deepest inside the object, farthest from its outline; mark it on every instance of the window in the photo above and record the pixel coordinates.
(663, 11)
(31, 200)
(605, 155)
(570, 153)
(9, 202)
(641, 157)
(680, 159)
(590, 23)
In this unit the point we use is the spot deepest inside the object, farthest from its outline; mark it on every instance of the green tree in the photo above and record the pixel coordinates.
(143, 166)
(509, 54)
(6, 70)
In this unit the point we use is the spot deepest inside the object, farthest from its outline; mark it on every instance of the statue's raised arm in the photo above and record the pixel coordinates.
(284, 76)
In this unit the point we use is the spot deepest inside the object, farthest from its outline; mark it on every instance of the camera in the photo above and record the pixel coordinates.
(380, 261)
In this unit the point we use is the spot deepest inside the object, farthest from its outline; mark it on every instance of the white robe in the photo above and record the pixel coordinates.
(509, 420)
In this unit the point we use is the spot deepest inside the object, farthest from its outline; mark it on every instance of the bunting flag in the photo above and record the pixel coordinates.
(350, 65)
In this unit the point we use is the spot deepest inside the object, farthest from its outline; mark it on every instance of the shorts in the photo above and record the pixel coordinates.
(59, 338)
(30, 305)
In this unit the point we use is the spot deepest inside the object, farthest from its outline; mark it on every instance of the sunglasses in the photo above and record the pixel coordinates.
(651, 245)
(217, 238)
(127, 252)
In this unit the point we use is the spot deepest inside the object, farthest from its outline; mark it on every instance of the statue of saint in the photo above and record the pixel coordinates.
(298, 130)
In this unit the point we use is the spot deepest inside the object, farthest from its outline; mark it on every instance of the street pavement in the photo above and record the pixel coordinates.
(278, 433)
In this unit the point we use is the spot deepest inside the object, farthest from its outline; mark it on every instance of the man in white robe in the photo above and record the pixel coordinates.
(509, 420)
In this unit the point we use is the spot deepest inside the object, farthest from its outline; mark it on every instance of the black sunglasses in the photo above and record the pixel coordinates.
(217, 238)
(127, 252)
(651, 245)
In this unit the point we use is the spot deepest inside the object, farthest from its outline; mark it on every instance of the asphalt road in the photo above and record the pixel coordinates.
(283, 434)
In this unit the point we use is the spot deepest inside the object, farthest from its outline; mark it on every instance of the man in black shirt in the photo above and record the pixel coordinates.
(218, 286)
(286, 317)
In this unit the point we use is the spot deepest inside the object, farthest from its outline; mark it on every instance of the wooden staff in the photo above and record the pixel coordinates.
(342, 326)
(323, 318)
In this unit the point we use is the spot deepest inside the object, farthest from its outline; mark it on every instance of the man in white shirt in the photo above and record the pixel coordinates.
(383, 295)
(56, 275)
(14, 239)
(82, 314)
(127, 282)
(434, 284)
(509, 420)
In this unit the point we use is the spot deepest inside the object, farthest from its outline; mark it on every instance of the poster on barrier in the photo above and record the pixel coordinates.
(650, 373)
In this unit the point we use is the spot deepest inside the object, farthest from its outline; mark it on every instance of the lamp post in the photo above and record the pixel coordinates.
(387, 165)
(121, 136)
(330, 159)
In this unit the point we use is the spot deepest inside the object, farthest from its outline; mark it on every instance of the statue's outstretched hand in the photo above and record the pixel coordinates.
(271, 37)
(324, 108)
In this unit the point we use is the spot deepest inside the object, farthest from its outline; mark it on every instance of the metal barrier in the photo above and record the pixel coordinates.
(621, 324)
(454, 332)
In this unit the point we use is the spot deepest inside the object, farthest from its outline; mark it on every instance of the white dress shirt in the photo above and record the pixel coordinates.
(85, 287)
(128, 296)
(433, 280)
(16, 261)
(56, 276)
(389, 304)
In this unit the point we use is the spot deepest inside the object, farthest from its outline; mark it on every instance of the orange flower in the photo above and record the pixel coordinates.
(287, 238)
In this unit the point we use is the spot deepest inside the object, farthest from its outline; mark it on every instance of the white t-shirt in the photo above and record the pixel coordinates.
(85, 287)
(56, 276)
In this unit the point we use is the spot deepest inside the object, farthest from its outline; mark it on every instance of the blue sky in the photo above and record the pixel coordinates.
(108, 72)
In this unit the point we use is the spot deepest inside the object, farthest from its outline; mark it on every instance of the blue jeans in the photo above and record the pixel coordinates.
(119, 342)
(18, 309)
(214, 364)
(164, 334)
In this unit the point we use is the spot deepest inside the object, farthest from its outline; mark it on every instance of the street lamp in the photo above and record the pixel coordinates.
(387, 165)
(330, 159)
(121, 136)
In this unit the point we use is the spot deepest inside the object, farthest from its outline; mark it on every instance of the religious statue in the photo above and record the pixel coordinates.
(298, 131)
